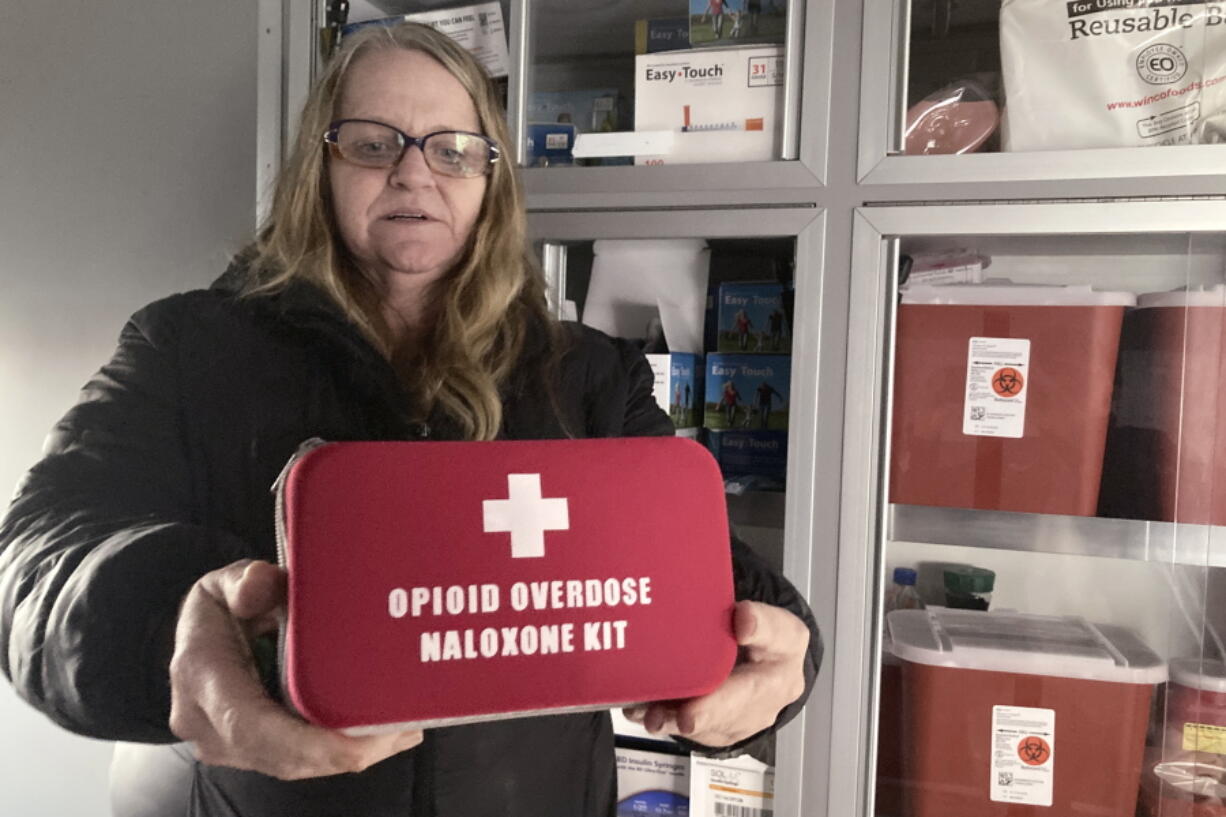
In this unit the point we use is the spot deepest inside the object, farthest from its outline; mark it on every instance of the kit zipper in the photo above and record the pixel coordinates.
(278, 489)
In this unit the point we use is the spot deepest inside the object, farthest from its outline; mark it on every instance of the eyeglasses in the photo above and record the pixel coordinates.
(448, 152)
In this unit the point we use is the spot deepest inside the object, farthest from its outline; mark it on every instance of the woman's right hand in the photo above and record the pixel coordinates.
(218, 702)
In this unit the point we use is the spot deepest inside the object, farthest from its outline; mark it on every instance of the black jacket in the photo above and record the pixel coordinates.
(161, 473)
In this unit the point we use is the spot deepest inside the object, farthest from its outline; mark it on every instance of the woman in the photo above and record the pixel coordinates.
(389, 296)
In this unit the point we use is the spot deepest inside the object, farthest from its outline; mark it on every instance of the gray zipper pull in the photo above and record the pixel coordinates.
(304, 448)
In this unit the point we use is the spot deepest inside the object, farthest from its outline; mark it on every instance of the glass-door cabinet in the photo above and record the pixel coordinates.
(629, 96)
(1032, 621)
(1012, 90)
(732, 309)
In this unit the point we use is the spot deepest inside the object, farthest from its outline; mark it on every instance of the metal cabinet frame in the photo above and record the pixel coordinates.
(843, 196)
(865, 517)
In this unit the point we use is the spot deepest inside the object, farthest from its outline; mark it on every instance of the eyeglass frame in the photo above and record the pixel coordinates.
(333, 131)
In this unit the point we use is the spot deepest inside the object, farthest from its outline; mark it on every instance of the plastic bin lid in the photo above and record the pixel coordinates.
(1064, 647)
(1199, 673)
(1196, 296)
(1013, 295)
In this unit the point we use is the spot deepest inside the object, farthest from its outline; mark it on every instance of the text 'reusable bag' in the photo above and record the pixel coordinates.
(1113, 73)
(436, 583)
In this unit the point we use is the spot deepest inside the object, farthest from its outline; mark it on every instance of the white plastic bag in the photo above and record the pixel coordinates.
(1112, 73)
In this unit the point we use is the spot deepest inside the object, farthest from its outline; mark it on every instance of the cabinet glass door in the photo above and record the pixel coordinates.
(725, 313)
(1028, 78)
(1043, 598)
(653, 83)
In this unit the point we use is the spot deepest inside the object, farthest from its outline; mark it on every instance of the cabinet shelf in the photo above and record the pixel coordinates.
(1200, 545)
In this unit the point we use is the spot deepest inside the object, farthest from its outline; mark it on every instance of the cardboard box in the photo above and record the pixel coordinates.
(724, 104)
(592, 110)
(678, 387)
(652, 783)
(736, 786)
(661, 34)
(747, 392)
(751, 320)
(750, 453)
(550, 144)
(716, 23)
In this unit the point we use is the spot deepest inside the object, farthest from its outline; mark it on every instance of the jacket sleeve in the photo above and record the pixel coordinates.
(99, 546)
(753, 578)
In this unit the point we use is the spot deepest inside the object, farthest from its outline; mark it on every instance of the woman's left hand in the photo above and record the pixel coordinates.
(769, 675)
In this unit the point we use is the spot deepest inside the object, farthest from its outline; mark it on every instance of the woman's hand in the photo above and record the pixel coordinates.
(769, 675)
(218, 702)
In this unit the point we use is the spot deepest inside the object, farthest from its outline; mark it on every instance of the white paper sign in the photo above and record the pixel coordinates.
(997, 382)
(1023, 755)
(478, 28)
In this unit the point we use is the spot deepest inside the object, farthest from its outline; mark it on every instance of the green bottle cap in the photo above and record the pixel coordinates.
(966, 580)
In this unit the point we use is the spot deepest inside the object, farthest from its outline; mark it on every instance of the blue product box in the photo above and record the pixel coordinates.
(593, 110)
(550, 143)
(750, 319)
(652, 783)
(747, 392)
(661, 34)
(750, 453)
(678, 387)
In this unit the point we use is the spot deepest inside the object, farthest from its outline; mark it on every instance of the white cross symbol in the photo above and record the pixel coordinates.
(525, 515)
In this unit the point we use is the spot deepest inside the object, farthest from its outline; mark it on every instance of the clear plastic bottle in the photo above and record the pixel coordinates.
(902, 594)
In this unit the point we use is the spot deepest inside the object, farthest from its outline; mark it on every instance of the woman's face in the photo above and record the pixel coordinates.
(413, 92)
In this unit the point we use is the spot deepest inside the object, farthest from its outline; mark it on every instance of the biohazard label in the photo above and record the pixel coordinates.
(1023, 755)
(997, 382)
(1204, 737)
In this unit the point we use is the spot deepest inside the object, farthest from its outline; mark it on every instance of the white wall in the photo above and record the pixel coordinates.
(127, 172)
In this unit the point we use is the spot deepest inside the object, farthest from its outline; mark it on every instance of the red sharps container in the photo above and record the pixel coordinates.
(1185, 774)
(1002, 395)
(1010, 715)
(1166, 450)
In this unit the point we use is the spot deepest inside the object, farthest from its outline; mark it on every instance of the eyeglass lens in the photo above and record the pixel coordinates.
(451, 153)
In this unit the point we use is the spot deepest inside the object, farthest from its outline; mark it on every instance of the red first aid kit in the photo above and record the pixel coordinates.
(435, 583)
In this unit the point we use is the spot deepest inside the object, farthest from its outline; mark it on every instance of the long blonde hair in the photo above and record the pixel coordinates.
(487, 303)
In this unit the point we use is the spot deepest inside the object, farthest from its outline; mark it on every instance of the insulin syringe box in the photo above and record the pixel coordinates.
(723, 104)
(751, 319)
(678, 386)
(750, 453)
(747, 392)
(652, 782)
(735, 786)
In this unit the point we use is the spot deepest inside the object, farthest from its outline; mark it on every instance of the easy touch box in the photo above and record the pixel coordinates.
(747, 392)
(652, 783)
(723, 104)
(1166, 450)
(678, 386)
(1002, 396)
(435, 583)
(1010, 715)
(751, 319)
(750, 453)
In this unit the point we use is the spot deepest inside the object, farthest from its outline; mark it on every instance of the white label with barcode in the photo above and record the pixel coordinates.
(733, 810)
(1023, 755)
(997, 385)
(734, 787)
